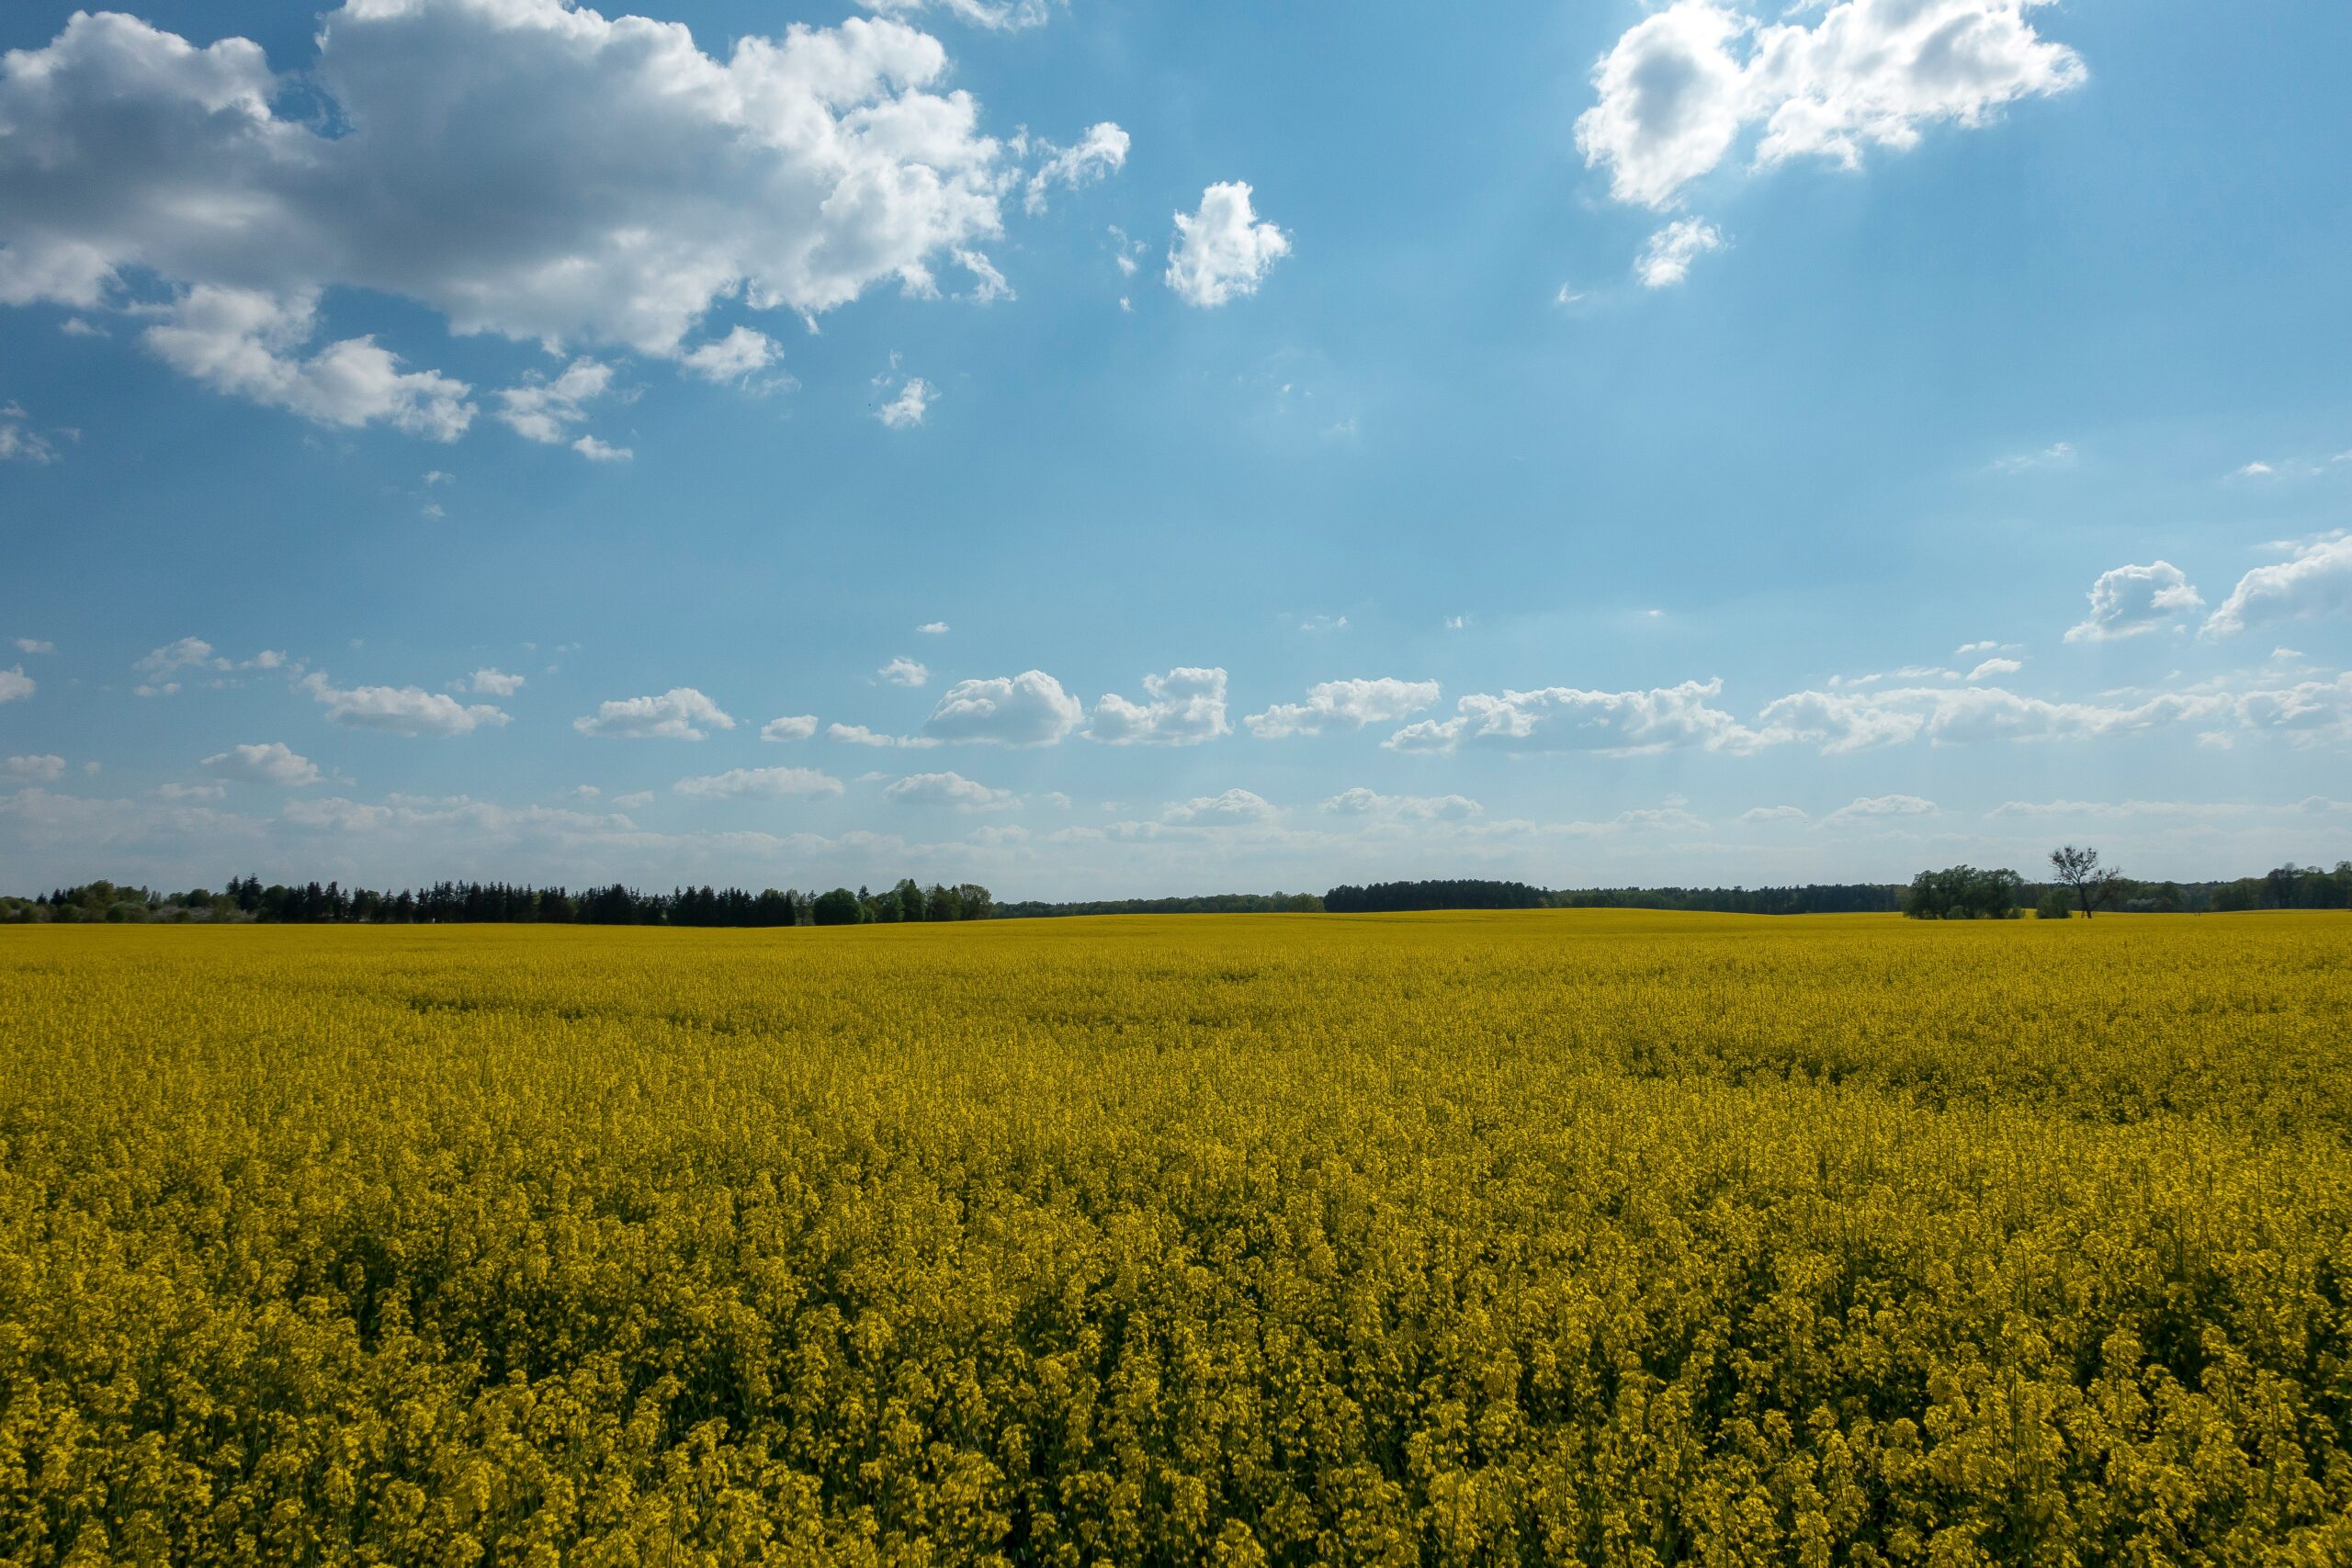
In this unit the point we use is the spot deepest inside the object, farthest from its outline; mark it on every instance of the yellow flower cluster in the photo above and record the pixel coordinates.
(1558, 1237)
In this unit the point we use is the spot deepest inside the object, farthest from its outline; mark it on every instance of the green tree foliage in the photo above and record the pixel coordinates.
(1963, 892)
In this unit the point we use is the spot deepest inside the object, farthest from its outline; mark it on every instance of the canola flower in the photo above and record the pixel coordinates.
(1557, 1237)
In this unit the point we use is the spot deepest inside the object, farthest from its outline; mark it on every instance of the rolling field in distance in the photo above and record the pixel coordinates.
(1566, 1237)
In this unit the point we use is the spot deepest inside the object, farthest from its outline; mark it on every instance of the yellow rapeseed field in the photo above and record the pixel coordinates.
(1550, 1237)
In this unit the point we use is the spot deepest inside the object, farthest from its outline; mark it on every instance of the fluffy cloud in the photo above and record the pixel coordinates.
(1183, 707)
(1222, 251)
(1351, 703)
(2135, 599)
(274, 763)
(1665, 260)
(1681, 86)
(15, 684)
(1362, 802)
(933, 628)
(1878, 808)
(1027, 709)
(495, 682)
(34, 645)
(999, 16)
(1757, 814)
(858, 734)
(679, 714)
(909, 407)
(740, 355)
(797, 726)
(1565, 719)
(1100, 154)
(524, 167)
(248, 342)
(404, 710)
(45, 769)
(770, 783)
(1234, 808)
(1857, 721)
(951, 790)
(1995, 667)
(903, 671)
(597, 451)
(20, 442)
(544, 410)
(2317, 582)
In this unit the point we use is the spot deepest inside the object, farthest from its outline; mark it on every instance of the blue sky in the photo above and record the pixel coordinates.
(1216, 448)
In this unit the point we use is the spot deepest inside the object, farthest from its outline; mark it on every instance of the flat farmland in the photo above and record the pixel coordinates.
(1559, 1237)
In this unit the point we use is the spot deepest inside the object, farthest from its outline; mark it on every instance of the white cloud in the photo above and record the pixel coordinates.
(950, 790)
(274, 763)
(1362, 802)
(740, 356)
(404, 710)
(933, 628)
(903, 671)
(1223, 251)
(987, 284)
(908, 409)
(1566, 719)
(1878, 808)
(187, 653)
(19, 442)
(44, 769)
(544, 410)
(1855, 721)
(680, 713)
(597, 451)
(796, 727)
(1351, 703)
(858, 734)
(635, 800)
(1757, 814)
(1027, 709)
(1665, 260)
(2317, 582)
(15, 684)
(770, 783)
(998, 16)
(185, 792)
(1679, 87)
(2256, 470)
(2135, 599)
(34, 645)
(495, 682)
(248, 342)
(526, 168)
(1234, 808)
(1996, 666)
(1101, 152)
(1183, 707)
(2054, 455)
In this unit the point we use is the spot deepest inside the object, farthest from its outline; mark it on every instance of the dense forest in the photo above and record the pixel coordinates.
(446, 903)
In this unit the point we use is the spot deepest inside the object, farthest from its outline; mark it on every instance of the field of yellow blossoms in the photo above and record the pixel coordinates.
(1554, 1237)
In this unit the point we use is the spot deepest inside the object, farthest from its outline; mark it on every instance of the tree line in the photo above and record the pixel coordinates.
(446, 903)
(2082, 882)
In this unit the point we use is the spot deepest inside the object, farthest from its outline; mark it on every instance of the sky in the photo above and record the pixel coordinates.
(1117, 449)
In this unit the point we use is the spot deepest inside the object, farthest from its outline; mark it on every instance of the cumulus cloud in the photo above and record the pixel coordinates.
(933, 628)
(903, 671)
(1223, 251)
(998, 16)
(404, 710)
(544, 410)
(495, 682)
(1234, 808)
(34, 645)
(742, 354)
(1100, 154)
(1757, 814)
(1566, 719)
(858, 734)
(950, 790)
(1354, 704)
(1996, 666)
(1665, 260)
(795, 726)
(2135, 599)
(909, 407)
(770, 783)
(523, 168)
(2317, 582)
(1183, 707)
(1682, 85)
(1857, 721)
(1362, 802)
(680, 713)
(19, 442)
(15, 684)
(186, 653)
(46, 768)
(1027, 709)
(600, 451)
(275, 764)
